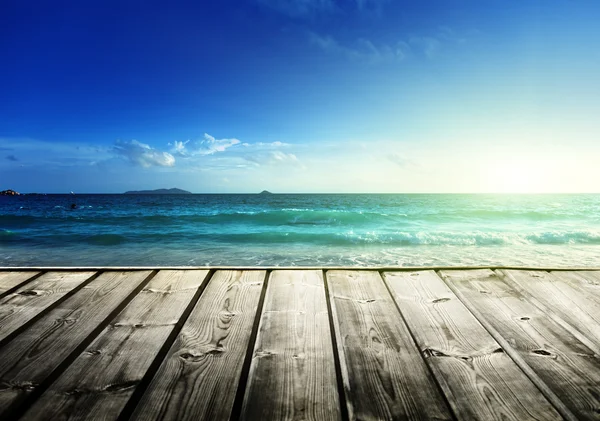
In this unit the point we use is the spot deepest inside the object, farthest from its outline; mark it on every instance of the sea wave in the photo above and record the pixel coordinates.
(193, 238)
(264, 218)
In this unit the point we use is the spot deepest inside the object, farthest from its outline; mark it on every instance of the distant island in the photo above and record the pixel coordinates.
(9, 193)
(265, 192)
(159, 191)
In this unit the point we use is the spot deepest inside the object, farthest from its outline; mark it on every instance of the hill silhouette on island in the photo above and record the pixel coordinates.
(159, 191)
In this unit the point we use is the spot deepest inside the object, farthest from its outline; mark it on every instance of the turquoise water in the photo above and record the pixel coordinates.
(327, 229)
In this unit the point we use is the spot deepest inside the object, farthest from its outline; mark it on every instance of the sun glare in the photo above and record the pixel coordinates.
(518, 176)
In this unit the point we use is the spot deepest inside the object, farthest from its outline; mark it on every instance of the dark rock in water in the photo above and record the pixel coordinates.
(159, 191)
(9, 193)
(265, 192)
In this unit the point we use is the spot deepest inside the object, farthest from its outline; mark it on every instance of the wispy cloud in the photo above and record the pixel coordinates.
(143, 155)
(374, 5)
(362, 50)
(309, 8)
(369, 51)
(401, 160)
(272, 158)
(299, 8)
(206, 146)
(429, 46)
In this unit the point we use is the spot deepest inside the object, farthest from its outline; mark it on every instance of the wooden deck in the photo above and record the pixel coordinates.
(299, 344)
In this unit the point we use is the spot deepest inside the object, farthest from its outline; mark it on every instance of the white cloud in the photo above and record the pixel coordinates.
(143, 155)
(207, 146)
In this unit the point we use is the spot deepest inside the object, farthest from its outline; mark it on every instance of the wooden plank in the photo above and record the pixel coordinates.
(25, 303)
(12, 279)
(198, 379)
(383, 372)
(480, 381)
(98, 384)
(576, 310)
(292, 375)
(564, 365)
(32, 356)
(585, 283)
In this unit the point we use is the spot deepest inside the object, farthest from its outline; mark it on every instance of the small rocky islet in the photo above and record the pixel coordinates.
(9, 192)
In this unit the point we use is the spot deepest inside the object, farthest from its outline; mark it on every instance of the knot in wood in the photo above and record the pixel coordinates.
(29, 292)
(370, 300)
(542, 352)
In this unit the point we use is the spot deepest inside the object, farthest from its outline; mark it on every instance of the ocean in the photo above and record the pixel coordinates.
(300, 230)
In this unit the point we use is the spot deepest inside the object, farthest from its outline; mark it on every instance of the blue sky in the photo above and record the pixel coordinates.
(300, 96)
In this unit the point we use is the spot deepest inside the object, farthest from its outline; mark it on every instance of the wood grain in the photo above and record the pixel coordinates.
(384, 374)
(28, 301)
(11, 279)
(29, 359)
(586, 283)
(292, 376)
(479, 380)
(569, 306)
(98, 384)
(568, 367)
(199, 378)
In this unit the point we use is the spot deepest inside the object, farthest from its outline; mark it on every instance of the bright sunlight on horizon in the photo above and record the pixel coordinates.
(306, 96)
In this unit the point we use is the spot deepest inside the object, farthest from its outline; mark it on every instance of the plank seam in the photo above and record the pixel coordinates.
(19, 407)
(153, 368)
(554, 400)
(508, 279)
(412, 337)
(238, 401)
(22, 284)
(336, 356)
(51, 307)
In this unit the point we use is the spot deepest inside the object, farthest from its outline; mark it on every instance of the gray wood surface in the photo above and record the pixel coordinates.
(292, 376)
(568, 367)
(199, 378)
(28, 301)
(11, 279)
(586, 283)
(99, 383)
(384, 374)
(480, 380)
(29, 359)
(575, 309)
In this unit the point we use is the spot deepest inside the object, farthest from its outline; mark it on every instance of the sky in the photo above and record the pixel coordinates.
(300, 96)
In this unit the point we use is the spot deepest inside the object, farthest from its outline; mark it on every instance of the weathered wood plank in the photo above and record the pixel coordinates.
(565, 365)
(553, 293)
(98, 384)
(10, 279)
(384, 375)
(292, 375)
(585, 283)
(199, 378)
(480, 381)
(25, 303)
(31, 357)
